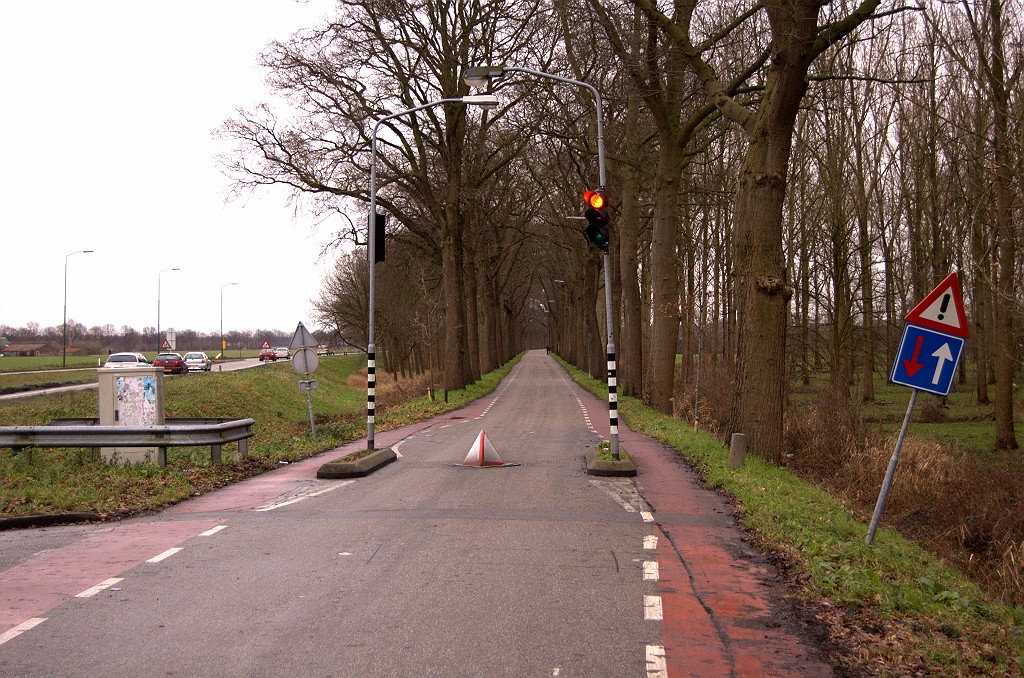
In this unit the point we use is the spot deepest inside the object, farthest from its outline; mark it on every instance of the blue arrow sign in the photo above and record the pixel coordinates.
(926, 360)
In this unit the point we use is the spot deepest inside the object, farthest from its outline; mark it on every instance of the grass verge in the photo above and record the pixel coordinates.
(62, 480)
(892, 607)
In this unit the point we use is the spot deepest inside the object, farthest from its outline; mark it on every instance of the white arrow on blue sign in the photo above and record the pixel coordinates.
(926, 360)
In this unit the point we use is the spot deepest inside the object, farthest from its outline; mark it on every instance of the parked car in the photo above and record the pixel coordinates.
(268, 354)
(172, 363)
(126, 360)
(282, 352)
(197, 360)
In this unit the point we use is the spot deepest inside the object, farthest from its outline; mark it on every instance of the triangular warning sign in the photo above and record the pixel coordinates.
(302, 338)
(166, 344)
(266, 344)
(943, 309)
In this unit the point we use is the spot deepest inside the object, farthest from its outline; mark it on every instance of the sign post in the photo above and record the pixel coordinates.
(933, 340)
(305, 361)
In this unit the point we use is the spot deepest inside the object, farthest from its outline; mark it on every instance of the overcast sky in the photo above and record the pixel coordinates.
(106, 114)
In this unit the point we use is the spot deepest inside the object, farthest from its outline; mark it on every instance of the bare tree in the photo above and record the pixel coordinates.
(798, 33)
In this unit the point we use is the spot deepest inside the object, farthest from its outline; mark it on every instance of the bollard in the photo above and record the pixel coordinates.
(737, 450)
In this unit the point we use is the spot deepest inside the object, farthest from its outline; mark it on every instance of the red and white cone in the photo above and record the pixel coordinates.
(482, 453)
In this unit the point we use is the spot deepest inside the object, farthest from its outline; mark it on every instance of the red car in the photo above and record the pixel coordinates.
(172, 363)
(268, 354)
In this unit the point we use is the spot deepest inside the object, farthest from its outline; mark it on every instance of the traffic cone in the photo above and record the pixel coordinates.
(482, 453)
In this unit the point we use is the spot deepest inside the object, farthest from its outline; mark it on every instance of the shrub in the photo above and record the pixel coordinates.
(965, 508)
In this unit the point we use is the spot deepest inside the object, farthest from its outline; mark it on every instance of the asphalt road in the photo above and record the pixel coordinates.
(424, 568)
(226, 366)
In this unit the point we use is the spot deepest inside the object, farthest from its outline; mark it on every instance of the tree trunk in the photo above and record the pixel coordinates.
(665, 277)
(761, 287)
(472, 316)
(629, 358)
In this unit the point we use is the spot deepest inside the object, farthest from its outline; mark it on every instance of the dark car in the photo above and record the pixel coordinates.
(172, 363)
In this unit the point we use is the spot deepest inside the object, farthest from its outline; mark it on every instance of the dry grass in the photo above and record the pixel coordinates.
(966, 509)
(390, 390)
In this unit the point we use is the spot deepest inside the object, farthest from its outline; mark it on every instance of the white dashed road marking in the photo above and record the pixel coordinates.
(166, 554)
(650, 570)
(656, 665)
(88, 593)
(212, 531)
(652, 608)
(20, 629)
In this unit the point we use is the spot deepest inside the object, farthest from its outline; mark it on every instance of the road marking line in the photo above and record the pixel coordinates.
(305, 495)
(650, 542)
(166, 554)
(212, 531)
(647, 516)
(652, 608)
(656, 665)
(650, 570)
(20, 629)
(90, 592)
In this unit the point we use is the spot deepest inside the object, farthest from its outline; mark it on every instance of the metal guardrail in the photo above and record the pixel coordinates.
(178, 433)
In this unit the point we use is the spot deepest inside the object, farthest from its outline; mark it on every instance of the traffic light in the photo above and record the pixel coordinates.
(377, 233)
(596, 215)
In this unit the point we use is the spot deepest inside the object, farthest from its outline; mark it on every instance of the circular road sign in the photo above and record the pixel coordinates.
(305, 361)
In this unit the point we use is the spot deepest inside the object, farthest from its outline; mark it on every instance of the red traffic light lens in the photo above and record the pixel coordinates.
(595, 199)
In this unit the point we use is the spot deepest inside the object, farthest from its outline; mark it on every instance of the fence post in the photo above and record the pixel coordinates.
(737, 450)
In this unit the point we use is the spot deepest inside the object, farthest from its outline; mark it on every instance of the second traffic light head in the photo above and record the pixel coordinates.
(596, 215)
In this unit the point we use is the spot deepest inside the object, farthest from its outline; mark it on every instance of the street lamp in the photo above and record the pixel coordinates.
(158, 342)
(482, 76)
(486, 101)
(223, 348)
(64, 353)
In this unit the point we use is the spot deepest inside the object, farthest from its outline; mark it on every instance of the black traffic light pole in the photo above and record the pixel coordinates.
(481, 76)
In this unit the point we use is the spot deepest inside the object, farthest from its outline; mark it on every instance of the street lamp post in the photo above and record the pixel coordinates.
(481, 76)
(64, 353)
(158, 275)
(485, 100)
(223, 348)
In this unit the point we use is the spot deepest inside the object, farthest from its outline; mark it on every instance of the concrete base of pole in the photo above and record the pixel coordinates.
(737, 450)
(365, 464)
(624, 466)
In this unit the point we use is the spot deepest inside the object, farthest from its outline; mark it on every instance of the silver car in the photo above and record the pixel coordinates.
(197, 360)
(126, 360)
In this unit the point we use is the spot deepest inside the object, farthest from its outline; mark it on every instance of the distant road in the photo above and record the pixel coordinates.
(226, 366)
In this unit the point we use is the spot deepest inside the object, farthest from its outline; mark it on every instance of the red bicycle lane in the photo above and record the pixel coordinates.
(50, 578)
(724, 613)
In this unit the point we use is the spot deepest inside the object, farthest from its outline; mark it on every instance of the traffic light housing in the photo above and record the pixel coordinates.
(596, 215)
(378, 232)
